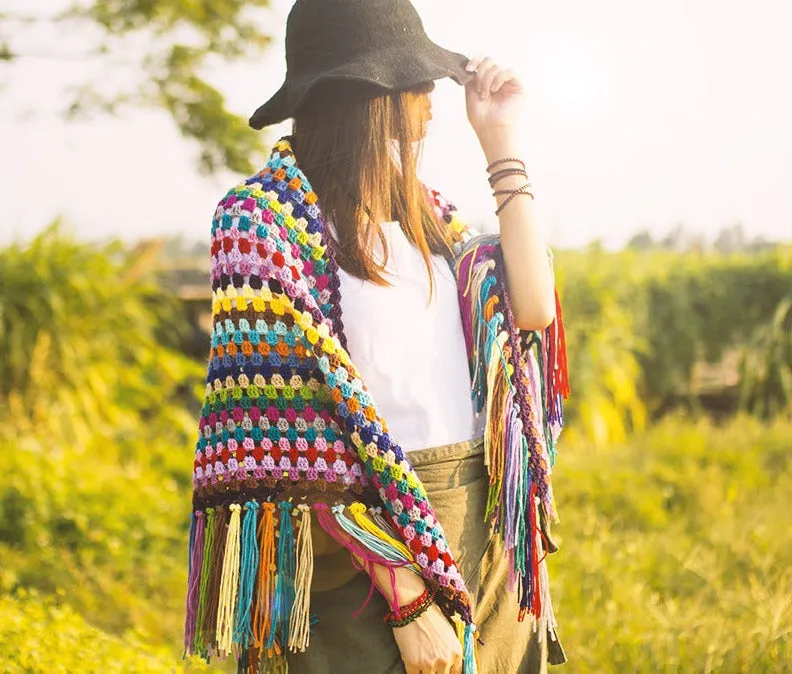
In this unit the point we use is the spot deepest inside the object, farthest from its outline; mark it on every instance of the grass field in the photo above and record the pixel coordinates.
(676, 551)
(675, 557)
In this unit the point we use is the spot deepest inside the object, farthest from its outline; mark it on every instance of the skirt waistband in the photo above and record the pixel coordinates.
(456, 451)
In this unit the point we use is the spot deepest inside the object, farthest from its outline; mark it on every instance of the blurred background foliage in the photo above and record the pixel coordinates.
(654, 331)
(152, 54)
(673, 485)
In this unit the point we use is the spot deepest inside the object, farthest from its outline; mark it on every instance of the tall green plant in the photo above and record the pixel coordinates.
(95, 424)
(640, 322)
(766, 367)
(700, 308)
(89, 340)
(603, 345)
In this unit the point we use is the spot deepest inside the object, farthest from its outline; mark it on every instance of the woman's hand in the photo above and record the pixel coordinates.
(429, 644)
(495, 98)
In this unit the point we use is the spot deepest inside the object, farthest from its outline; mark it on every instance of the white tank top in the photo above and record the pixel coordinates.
(411, 353)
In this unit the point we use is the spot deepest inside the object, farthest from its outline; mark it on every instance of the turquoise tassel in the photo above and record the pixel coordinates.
(243, 632)
(482, 335)
(524, 490)
(469, 664)
(284, 583)
(373, 543)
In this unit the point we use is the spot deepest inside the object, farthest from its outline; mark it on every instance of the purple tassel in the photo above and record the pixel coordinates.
(538, 474)
(466, 301)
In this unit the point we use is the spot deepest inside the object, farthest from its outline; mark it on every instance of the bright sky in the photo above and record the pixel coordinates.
(641, 115)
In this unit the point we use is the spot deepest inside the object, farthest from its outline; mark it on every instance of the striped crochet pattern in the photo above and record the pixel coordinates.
(288, 433)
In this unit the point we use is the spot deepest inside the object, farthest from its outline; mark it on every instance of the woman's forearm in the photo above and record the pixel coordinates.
(529, 273)
(409, 585)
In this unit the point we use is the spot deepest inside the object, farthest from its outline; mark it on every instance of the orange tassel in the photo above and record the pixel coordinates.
(265, 581)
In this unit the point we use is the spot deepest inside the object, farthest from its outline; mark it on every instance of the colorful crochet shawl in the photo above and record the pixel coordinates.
(288, 432)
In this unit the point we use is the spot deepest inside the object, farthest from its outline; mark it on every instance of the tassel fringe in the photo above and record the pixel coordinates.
(243, 631)
(470, 664)
(229, 583)
(284, 585)
(358, 512)
(521, 379)
(265, 581)
(196, 630)
(300, 621)
(215, 576)
(194, 579)
(249, 580)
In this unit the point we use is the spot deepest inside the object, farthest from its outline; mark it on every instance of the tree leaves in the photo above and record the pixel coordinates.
(89, 340)
(199, 111)
(155, 54)
(766, 367)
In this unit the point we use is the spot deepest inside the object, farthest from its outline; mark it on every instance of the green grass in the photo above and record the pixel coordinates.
(41, 635)
(675, 557)
(676, 551)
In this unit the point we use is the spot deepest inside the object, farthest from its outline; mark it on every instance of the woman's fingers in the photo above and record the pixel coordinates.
(481, 72)
(487, 78)
(429, 645)
(500, 79)
(443, 667)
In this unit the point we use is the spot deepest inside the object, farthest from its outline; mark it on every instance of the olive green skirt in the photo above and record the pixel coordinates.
(457, 482)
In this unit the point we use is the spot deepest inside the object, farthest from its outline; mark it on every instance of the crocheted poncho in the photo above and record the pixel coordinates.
(288, 432)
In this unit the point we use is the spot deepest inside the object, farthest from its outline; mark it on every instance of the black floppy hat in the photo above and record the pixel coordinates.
(376, 42)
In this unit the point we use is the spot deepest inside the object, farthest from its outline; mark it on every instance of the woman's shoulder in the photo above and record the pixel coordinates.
(278, 193)
(275, 203)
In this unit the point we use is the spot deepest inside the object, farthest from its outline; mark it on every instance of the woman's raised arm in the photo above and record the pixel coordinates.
(494, 101)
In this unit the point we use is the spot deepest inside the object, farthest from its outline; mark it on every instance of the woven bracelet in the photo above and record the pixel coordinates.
(412, 611)
(408, 608)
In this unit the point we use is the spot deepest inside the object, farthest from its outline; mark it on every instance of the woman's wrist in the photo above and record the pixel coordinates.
(499, 142)
(405, 585)
(411, 611)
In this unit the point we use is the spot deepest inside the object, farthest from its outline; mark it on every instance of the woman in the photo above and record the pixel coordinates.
(353, 315)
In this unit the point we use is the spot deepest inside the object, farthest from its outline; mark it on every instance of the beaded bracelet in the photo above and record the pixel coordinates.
(495, 177)
(499, 192)
(525, 189)
(411, 611)
(504, 161)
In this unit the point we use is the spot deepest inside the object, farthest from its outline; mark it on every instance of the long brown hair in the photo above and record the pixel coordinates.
(343, 138)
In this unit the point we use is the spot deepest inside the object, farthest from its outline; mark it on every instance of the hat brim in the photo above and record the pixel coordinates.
(393, 69)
